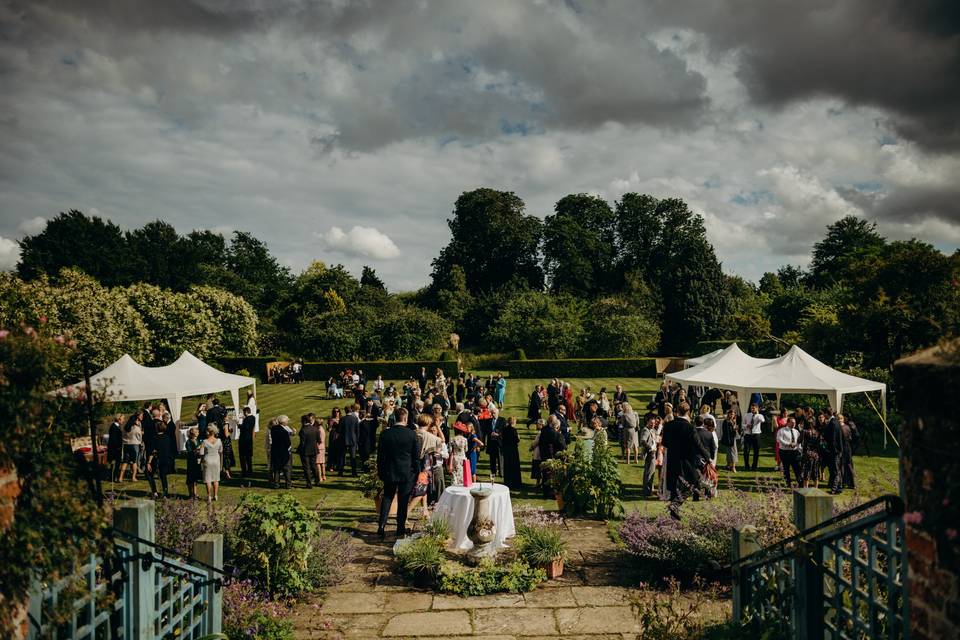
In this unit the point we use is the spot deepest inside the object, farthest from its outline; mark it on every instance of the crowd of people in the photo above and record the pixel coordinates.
(456, 422)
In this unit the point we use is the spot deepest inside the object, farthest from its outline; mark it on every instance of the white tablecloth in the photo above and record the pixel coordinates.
(456, 506)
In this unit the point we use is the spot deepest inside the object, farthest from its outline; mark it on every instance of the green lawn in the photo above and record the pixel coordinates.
(875, 475)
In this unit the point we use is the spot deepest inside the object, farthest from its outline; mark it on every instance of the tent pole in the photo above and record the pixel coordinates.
(883, 419)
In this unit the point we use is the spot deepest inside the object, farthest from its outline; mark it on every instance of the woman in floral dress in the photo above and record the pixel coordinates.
(458, 453)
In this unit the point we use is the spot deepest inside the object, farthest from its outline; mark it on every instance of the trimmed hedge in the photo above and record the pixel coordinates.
(391, 370)
(755, 348)
(585, 368)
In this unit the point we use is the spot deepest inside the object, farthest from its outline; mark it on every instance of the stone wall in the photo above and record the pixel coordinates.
(930, 468)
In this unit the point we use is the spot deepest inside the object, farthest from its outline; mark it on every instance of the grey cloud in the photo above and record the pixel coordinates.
(917, 203)
(900, 55)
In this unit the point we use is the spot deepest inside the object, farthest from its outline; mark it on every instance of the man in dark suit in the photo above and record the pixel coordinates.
(683, 452)
(833, 445)
(398, 463)
(309, 448)
(217, 414)
(561, 415)
(350, 432)
(553, 396)
(246, 442)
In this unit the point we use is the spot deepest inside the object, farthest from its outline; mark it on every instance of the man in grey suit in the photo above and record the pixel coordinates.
(350, 432)
(309, 448)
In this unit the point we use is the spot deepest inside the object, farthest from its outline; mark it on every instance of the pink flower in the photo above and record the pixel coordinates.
(59, 339)
(43, 319)
(913, 517)
(951, 534)
(72, 344)
(946, 502)
(4, 333)
(29, 331)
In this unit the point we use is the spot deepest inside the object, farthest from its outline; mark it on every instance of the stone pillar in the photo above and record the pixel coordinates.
(208, 549)
(924, 384)
(744, 544)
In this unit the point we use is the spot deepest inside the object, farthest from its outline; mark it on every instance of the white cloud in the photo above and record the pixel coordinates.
(365, 242)
(33, 226)
(9, 254)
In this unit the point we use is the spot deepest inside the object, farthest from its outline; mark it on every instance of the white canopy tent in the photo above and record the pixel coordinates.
(693, 362)
(794, 372)
(126, 380)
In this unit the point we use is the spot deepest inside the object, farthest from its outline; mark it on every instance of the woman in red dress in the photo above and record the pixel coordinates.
(568, 401)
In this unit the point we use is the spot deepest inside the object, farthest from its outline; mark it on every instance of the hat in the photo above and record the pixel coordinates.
(459, 426)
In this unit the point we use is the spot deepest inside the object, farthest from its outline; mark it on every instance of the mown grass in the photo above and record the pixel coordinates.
(339, 496)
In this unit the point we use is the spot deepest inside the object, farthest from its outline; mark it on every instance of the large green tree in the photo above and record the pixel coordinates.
(493, 240)
(73, 240)
(578, 246)
(543, 324)
(849, 244)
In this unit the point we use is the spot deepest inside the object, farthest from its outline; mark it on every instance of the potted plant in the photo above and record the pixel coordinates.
(420, 560)
(371, 486)
(555, 471)
(543, 547)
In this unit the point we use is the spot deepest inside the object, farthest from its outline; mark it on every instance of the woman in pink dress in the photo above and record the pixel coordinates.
(322, 452)
(568, 401)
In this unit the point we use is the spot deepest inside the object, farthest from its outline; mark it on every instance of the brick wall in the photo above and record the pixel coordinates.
(925, 384)
(9, 491)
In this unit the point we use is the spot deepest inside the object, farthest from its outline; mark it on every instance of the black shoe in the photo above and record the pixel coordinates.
(381, 535)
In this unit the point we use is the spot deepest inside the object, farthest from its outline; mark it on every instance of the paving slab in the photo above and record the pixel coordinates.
(593, 620)
(404, 602)
(601, 596)
(518, 622)
(550, 597)
(354, 602)
(428, 623)
(494, 600)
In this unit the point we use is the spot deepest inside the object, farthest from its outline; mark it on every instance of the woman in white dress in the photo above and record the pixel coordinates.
(211, 460)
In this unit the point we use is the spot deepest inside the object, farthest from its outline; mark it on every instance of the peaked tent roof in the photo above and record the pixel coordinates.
(729, 369)
(693, 362)
(191, 376)
(125, 379)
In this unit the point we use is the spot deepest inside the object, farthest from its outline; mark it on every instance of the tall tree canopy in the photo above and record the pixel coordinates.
(72, 240)
(493, 240)
(578, 246)
(849, 243)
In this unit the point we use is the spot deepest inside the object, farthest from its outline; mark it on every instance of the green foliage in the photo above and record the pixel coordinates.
(540, 545)
(676, 614)
(391, 370)
(850, 242)
(616, 329)
(421, 558)
(177, 322)
(72, 240)
(249, 614)
(591, 484)
(516, 577)
(542, 324)
(584, 368)
(279, 543)
(578, 246)
(235, 316)
(489, 230)
(54, 503)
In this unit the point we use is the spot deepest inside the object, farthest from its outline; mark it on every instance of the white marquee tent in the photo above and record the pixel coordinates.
(794, 372)
(693, 362)
(126, 380)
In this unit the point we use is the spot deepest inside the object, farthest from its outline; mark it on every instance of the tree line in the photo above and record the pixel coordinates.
(635, 277)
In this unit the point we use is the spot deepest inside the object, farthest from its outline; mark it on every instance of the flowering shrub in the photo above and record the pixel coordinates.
(530, 517)
(702, 541)
(249, 614)
(180, 522)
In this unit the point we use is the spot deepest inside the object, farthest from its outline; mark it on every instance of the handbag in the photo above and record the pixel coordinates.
(710, 473)
(420, 488)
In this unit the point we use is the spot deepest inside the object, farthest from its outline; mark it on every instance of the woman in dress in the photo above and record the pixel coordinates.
(211, 459)
(474, 444)
(321, 451)
(810, 441)
(226, 438)
(115, 446)
(662, 451)
(336, 441)
(568, 401)
(510, 449)
(202, 417)
(458, 453)
(779, 422)
(535, 458)
(132, 441)
(629, 428)
(194, 470)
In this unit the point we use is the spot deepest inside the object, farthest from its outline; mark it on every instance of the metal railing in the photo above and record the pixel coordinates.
(843, 577)
(140, 591)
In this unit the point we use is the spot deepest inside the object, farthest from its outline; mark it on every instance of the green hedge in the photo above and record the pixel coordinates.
(755, 348)
(391, 370)
(584, 368)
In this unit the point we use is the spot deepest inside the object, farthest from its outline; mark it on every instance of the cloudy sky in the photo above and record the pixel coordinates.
(344, 131)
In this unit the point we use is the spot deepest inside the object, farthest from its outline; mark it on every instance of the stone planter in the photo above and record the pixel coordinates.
(554, 569)
(482, 529)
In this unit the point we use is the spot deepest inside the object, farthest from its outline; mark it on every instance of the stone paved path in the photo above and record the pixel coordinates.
(590, 600)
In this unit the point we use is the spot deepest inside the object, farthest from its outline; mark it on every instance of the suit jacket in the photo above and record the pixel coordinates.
(350, 430)
(309, 440)
(684, 450)
(550, 443)
(833, 436)
(247, 427)
(216, 414)
(398, 455)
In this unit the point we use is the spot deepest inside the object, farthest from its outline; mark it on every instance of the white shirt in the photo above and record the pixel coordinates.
(788, 438)
(378, 385)
(752, 423)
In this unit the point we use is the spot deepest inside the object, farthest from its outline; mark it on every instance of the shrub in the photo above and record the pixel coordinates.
(180, 522)
(688, 616)
(701, 541)
(584, 368)
(516, 577)
(591, 484)
(421, 558)
(249, 614)
(279, 543)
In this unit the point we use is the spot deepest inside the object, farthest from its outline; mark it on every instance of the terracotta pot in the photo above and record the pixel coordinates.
(560, 502)
(554, 569)
(378, 500)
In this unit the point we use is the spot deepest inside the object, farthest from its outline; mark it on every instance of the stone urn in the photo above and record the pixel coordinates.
(482, 529)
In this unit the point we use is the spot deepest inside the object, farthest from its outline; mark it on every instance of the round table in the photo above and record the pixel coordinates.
(456, 507)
